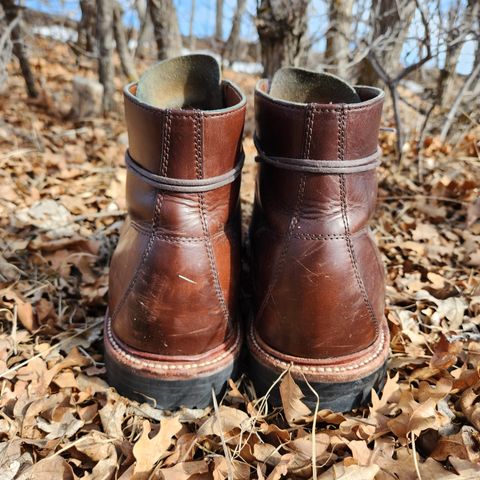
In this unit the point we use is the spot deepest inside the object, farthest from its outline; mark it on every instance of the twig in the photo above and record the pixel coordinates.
(96, 215)
(415, 459)
(314, 428)
(50, 349)
(263, 401)
(423, 197)
(420, 141)
(464, 337)
(228, 458)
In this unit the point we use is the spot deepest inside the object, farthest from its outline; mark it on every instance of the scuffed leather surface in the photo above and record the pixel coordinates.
(174, 274)
(319, 281)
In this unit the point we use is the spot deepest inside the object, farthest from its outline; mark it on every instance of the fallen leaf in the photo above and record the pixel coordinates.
(291, 395)
(149, 451)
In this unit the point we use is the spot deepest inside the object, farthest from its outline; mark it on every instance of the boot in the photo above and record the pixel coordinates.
(318, 276)
(171, 332)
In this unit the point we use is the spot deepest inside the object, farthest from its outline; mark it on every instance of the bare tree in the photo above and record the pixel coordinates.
(86, 26)
(126, 59)
(165, 26)
(145, 32)
(391, 20)
(458, 20)
(6, 49)
(12, 13)
(339, 35)
(231, 49)
(282, 28)
(219, 21)
(191, 36)
(105, 50)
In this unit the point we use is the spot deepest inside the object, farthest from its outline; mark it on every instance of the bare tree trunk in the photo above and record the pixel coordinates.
(165, 27)
(219, 21)
(232, 46)
(339, 35)
(282, 28)
(105, 50)
(126, 59)
(145, 33)
(446, 78)
(86, 26)
(391, 20)
(191, 35)
(11, 13)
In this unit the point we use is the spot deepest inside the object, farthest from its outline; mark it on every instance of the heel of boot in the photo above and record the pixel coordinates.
(173, 384)
(341, 385)
(338, 397)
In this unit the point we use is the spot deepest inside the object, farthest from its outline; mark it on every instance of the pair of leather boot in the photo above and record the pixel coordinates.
(173, 331)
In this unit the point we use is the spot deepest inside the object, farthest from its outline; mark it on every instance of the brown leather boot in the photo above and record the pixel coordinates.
(171, 332)
(318, 277)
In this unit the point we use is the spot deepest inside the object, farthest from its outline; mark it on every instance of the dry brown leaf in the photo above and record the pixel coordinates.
(230, 469)
(282, 467)
(415, 417)
(470, 407)
(445, 353)
(465, 469)
(50, 468)
(351, 472)
(463, 445)
(228, 419)
(111, 416)
(183, 471)
(66, 427)
(148, 451)
(266, 453)
(291, 395)
(24, 309)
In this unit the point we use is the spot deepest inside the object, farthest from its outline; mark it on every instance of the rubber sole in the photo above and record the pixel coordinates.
(338, 397)
(341, 387)
(169, 385)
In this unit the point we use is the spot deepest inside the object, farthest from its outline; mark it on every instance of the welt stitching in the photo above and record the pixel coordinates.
(158, 365)
(328, 236)
(319, 236)
(201, 203)
(145, 255)
(312, 368)
(166, 143)
(309, 132)
(146, 229)
(294, 220)
(197, 139)
(175, 238)
(341, 141)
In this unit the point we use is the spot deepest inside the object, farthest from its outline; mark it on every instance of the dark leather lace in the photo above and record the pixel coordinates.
(319, 166)
(181, 185)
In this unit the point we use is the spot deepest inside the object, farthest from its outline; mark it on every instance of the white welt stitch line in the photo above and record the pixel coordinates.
(302, 368)
(165, 366)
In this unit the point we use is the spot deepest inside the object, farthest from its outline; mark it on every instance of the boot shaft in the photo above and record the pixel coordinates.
(173, 276)
(319, 286)
(337, 138)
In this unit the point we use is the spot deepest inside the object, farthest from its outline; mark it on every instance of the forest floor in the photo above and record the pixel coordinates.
(61, 206)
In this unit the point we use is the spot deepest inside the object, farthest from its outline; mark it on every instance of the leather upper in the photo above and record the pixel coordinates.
(318, 276)
(174, 274)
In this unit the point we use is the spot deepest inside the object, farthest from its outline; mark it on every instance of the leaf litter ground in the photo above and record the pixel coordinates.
(62, 204)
